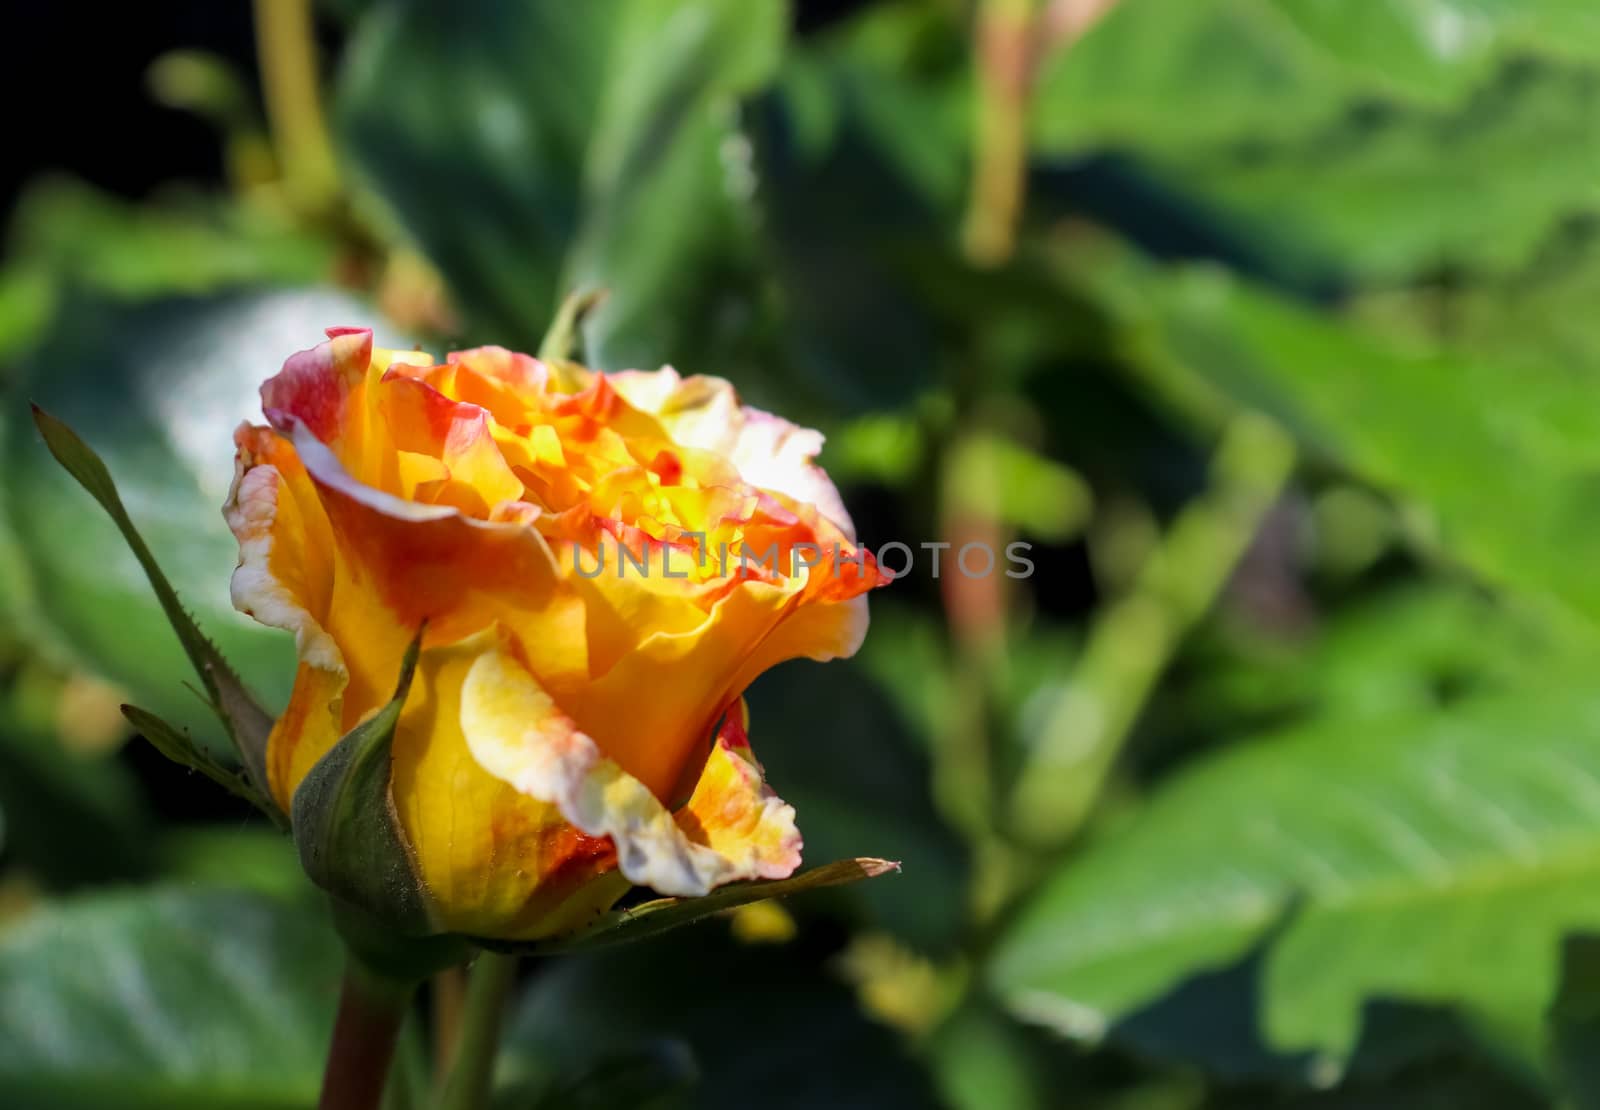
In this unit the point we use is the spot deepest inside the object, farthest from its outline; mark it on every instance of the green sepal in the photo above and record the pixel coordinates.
(346, 827)
(179, 747)
(373, 943)
(248, 724)
(649, 919)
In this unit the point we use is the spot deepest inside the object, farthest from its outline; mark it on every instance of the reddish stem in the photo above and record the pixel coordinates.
(371, 1011)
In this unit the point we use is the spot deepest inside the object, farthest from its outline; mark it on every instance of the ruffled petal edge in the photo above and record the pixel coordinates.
(733, 828)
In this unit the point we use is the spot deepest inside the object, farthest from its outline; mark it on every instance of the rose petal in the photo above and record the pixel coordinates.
(497, 861)
(735, 814)
(517, 733)
(705, 413)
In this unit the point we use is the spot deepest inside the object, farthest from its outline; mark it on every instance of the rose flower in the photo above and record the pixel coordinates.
(602, 563)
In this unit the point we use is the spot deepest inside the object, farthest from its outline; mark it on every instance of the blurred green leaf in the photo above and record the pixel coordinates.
(767, 1025)
(652, 1075)
(1538, 314)
(1441, 49)
(1327, 141)
(1408, 647)
(1379, 198)
(884, 447)
(904, 651)
(165, 999)
(1238, 68)
(1499, 460)
(531, 149)
(156, 390)
(849, 224)
(178, 242)
(1379, 860)
(251, 857)
(1267, 69)
(981, 1061)
(998, 478)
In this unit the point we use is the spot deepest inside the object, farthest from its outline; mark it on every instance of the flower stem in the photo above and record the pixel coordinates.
(484, 1013)
(371, 1011)
(287, 48)
(1007, 55)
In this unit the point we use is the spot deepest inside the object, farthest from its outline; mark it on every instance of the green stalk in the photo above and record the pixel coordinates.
(286, 46)
(1007, 53)
(493, 975)
(1132, 642)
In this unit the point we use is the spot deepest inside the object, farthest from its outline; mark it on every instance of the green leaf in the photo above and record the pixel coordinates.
(534, 148)
(653, 1075)
(980, 1060)
(1407, 647)
(177, 242)
(247, 722)
(157, 389)
(1267, 69)
(1238, 68)
(851, 223)
(251, 857)
(1001, 479)
(166, 999)
(346, 827)
(1441, 50)
(1380, 199)
(1329, 850)
(647, 919)
(1535, 315)
(181, 749)
(1327, 142)
(768, 1026)
(1501, 483)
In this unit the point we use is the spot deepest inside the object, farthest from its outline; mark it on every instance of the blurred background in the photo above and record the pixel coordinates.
(1267, 323)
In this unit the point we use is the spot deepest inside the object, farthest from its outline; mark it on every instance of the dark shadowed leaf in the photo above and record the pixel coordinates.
(837, 749)
(768, 1026)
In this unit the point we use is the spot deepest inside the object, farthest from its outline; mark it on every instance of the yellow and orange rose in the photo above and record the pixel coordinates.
(602, 562)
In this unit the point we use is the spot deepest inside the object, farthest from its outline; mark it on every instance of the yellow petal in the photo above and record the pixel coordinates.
(735, 814)
(517, 733)
(496, 861)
